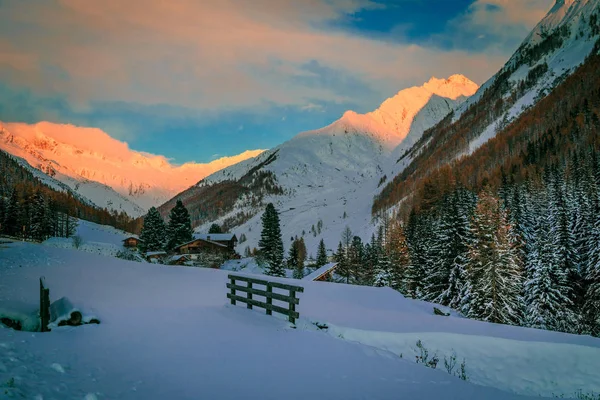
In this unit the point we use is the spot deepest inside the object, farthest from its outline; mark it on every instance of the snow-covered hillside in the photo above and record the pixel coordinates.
(551, 52)
(102, 169)
(331, 174)
(94, 238)
(170, 332)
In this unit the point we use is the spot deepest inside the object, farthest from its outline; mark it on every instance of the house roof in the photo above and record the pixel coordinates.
(203, 240)
(133, 237)
(319, 272)
(155, 253)
(215, 236)
(178, 257)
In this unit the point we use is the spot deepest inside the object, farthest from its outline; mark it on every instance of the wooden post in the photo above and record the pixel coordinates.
(292, 307)
(269, 298)
(232, 291)
(249, 296)
(44, 307)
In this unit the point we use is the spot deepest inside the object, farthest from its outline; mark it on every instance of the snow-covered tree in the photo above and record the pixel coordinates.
(153, 232)
(399, 259)
(321, 254)
(547, 292)
(270, 243)
(179, 228)
(39, 222)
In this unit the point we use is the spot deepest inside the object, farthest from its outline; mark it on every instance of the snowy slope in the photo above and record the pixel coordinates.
(97, 239)
(102, 169)
(169, 332)
(331, 174)
(574, 38)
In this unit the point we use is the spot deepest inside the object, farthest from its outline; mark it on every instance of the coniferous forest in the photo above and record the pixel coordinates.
(31, 210)
(508, 234)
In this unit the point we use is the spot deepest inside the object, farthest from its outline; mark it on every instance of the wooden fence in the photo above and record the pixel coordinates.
(44, 306)
(268, 294)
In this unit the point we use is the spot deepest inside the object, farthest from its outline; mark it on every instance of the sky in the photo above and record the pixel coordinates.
(195, 80)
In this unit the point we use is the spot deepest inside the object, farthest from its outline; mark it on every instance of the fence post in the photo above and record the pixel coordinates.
(292, 307)
(269, 298)
(249, 296)
(44, 307)
(232, 291)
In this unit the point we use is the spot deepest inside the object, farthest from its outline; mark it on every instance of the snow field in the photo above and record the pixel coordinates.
(169, 332)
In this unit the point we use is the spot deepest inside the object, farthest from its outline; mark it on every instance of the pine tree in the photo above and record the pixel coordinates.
(355, 260)
(547, 293)
(39, 218)
(153, 231)
(397, 250)
(503, 279)
(321, 254)
(342, 268)
(270, 244)
(13, 215)
(179, 228)
(215, 228)
(416, 234)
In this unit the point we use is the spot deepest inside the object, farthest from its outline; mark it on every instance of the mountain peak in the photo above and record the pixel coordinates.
(454, 87)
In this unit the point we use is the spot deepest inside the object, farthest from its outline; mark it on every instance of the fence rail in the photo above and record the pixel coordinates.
(267, 293)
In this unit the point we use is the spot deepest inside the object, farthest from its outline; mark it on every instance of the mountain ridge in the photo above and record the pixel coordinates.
(104, 169)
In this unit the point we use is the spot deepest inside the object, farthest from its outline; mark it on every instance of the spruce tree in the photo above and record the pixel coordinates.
(397, 250)
(416, 234)
(179, 228)
(321, 254)
(547, 293)
(39, 218)
(215, 228)
(270, 243)
(342, 268)
(355, 254)
(153, 231)
(13, 215)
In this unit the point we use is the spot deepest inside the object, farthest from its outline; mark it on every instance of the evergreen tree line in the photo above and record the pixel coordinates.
(156, 235)
(525, 254)
(34, 217)
(30, 209)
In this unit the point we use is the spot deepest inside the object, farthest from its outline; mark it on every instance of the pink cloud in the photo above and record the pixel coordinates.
(217, 54)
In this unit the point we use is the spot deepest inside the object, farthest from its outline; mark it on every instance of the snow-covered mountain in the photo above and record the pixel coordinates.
(558, 44)
(554, 49)
(102, 169)
(326, 178)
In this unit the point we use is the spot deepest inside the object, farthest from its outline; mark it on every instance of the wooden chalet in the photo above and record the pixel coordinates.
(132, 242)
(198, 246)
(323, 274)
(227, 239)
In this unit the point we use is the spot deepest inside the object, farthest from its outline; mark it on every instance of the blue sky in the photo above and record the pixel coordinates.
(195, 80)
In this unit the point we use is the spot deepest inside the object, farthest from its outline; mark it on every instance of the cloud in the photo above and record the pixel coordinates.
(498, 25)
(215, 55)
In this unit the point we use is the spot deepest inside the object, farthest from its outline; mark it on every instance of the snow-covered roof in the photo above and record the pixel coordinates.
(204, 240)
(133, 237)
(214, 236)
(155, 253)
(178, 257)
(317, 273)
